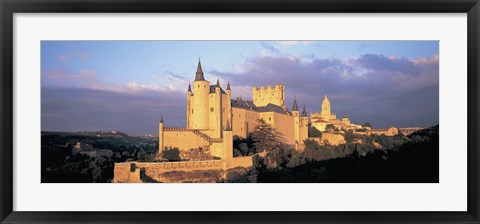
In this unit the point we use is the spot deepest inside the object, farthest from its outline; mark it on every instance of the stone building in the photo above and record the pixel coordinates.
(326, 117)
(211, 113)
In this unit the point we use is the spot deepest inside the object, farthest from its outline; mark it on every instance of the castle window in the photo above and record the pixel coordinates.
(211, 109)
(269, 118)
(223, 109)
(204, 86)
(198, 86)
(192, 111)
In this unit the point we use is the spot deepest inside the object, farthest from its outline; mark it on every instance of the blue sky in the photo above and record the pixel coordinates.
(126, 85)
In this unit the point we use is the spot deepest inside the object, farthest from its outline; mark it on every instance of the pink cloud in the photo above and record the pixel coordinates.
(64, 57)
(82, 55)
(64, 77)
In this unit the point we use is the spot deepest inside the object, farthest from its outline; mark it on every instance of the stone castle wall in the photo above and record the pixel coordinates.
(243, 161)
(130, 172)
(331, 138)
(183, 139)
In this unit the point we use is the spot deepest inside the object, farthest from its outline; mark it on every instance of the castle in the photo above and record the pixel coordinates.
(213, 118)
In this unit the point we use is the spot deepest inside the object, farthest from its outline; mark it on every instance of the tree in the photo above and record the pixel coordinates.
(330, 128)
(314, 132)
(171, 154)
(367, 124)
(266, 138)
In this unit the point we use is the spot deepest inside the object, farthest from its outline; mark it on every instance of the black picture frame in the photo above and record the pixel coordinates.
(9, 7)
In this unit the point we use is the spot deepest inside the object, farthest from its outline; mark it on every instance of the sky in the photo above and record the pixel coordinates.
(127, 85)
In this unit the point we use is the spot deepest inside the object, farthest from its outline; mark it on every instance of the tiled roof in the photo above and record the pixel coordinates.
(318, 120)
(212, 89)
(248, 105)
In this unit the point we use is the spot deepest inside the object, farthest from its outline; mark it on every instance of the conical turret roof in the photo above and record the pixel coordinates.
(228, 86)
(295, 106)
(199, 74)
(304, 112)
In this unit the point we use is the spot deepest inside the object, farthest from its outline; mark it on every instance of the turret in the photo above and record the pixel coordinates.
(217, 109)
(228, 145)
(295, 107)
(296, 120)
(199, 73)
(199, 108)
(161, 141)
(189, 105)
(303, 127)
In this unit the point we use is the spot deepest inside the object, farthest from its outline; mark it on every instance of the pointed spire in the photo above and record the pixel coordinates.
(199, 74)
(189, 88)
(228, 86)
(295, 106)
(304, 112)
(218, 82)
(161, 119)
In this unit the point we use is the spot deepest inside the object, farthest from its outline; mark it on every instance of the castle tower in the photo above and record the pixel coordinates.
(296, 120)
(217, 118)
(303, 129)
(228, 145)
(229, 105)
(189, 105)
(199, 107)
(326, 107)
(263, 96)
(161, 141)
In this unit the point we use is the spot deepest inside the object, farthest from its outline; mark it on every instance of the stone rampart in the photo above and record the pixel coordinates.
(243, 161)
(130, 172)
(185, 139)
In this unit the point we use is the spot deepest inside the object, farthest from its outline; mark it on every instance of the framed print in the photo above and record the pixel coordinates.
(247, 112)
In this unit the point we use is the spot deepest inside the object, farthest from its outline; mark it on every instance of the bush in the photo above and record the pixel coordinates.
(171, 154)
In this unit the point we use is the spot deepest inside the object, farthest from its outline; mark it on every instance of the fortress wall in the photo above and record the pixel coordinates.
(123, 173)
(285, 125)
(216, 149)
(244, 161)
(155, 170)
(243, 121)
(183, 139)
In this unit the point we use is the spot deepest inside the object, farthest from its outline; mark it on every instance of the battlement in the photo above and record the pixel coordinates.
(130, 172)
(262, 96)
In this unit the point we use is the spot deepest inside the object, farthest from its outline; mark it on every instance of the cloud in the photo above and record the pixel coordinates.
(370, 87)
(64, 57)
(81, 55)
(291, 43)
(79, 109)
(270, 48)
(65, 77)
(382, 90)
